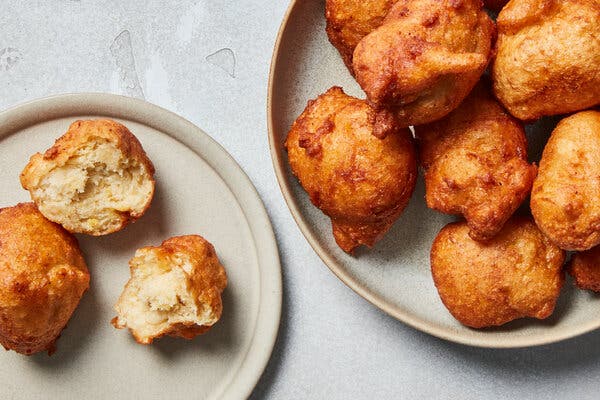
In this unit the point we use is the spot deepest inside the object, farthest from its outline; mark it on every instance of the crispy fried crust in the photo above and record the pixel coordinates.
(425, 57)
(476, 163)
(548, 57)
(79, 135)
(516, 274)
(348, 21)
(206, 280)
(362, 182)
(584, 267)
(42, 278)
(208, 277)
(565, 199)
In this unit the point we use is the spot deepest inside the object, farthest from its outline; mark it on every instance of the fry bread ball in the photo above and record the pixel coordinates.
(565, 199)
(42, 278)
(95, 179)
(584, 267)
(548, 57)
(425, 58)
(348, 21)
(516, 274)
(476, 163)
(362, 182)
(175, 289)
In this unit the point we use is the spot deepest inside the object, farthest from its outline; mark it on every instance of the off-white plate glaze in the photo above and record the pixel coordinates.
(199, 190)
(395, 275)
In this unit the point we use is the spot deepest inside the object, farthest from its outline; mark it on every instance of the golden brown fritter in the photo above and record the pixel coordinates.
(495, 5)
(96, 178)
(42, 278)
(548, 57)
(425, 57)
(584, 267)
(175, 289)
(516, 274)
(565, 199)
(363, 183)
(476, 163)
(348, 21)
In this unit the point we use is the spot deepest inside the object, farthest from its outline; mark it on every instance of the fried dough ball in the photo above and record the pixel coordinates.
(175, 289)
(42, 278)
(516, 274)
(476, 163)
(565, 199)
(95, 179)
(548, 57)
(425, 58)
(348, 21)
(584, 267)
(495, 5)
(363, 183)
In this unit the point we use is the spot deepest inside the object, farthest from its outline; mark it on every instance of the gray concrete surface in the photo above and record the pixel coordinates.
(208, 60)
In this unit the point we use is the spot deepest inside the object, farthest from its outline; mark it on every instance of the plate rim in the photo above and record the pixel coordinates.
(268, 314)
(353, 283)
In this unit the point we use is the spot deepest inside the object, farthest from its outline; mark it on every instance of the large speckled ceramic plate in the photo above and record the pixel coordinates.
(199, 189)
(395, 275)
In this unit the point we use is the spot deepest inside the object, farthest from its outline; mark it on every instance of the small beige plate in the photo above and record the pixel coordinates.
(199, 189)
(395, 275)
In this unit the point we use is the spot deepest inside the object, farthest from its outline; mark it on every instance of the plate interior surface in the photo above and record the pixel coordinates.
(394, 275)
(199, 190)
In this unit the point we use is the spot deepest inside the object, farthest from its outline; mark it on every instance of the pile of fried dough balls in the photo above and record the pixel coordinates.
(422, 63)
(97, 179)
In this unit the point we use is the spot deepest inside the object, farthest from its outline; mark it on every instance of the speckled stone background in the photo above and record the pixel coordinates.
(208, 61)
